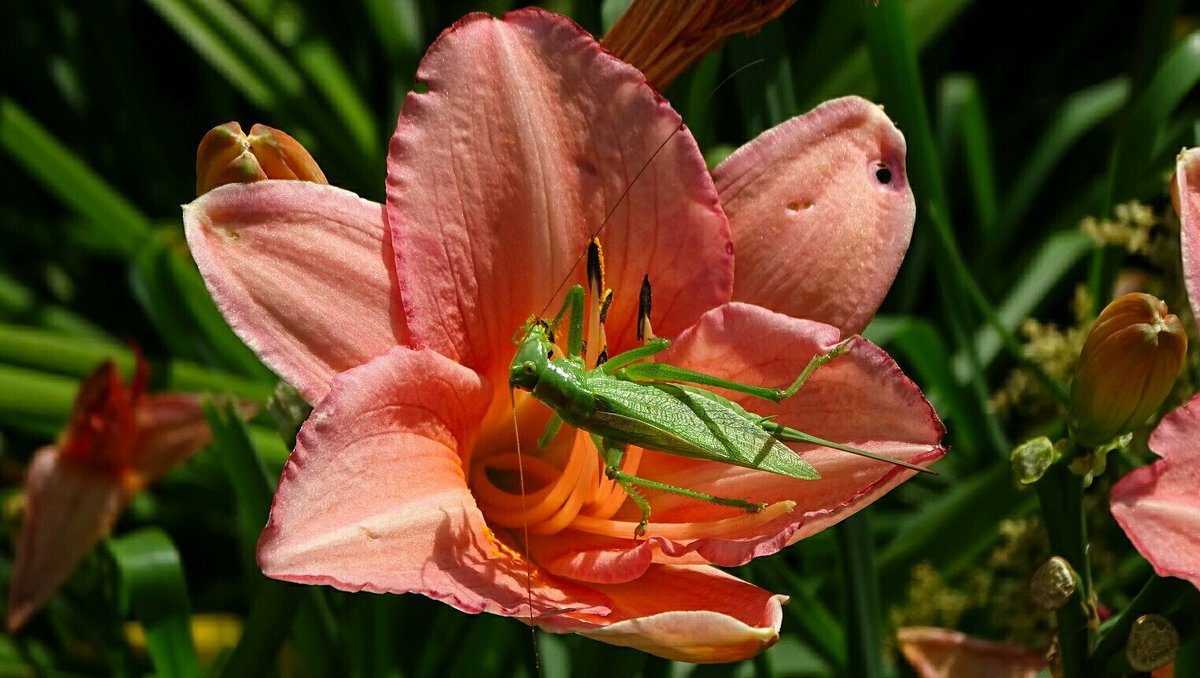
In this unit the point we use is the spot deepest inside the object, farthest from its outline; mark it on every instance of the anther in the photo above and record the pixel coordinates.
(595, 267)
(644, 331)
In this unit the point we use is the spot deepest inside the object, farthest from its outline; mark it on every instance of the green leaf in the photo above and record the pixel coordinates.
(252, 488)
(235, 48)
(35, 401)
(153, 588)
(78, 356)
(954, 530)
(1048, 268)
(964, 121)
(1080, 113)
(1141, 138)
(864, 649)
(69, 179)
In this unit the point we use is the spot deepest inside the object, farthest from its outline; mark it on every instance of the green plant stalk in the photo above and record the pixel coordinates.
(864, 650)
(1060, 492)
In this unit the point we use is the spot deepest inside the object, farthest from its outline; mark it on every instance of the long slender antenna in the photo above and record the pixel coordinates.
(611, 211)
(537, 665)
(629, 187)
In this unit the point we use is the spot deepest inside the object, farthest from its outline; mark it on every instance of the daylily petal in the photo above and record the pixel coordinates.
(819, 233)
(941, 653)
(1157, 505)
(861, 398)
(302, 272)
(528, 135)
(171, 428)
(69, 508)
(692, 614)
(1185, 193)
(374, 497)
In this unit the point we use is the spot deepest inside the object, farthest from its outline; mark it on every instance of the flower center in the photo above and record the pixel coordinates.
(564, 487)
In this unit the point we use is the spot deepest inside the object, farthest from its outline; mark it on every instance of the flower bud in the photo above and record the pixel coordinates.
(1031, 458)
(1153, 642)
(227, 156)
(1053, 583)
(1127, 367)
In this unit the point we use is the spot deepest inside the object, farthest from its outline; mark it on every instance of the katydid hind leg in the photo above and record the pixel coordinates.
(614, 454)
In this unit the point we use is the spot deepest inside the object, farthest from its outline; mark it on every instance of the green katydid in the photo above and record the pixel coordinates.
(625, 401)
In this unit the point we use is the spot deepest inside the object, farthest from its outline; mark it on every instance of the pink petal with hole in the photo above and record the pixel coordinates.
(69, 508)
(692, 614)
(528, 135)
(818, 232)
(1185, 193)
(1157, 505)
(374, 496)
(942, 653)
(302, 272)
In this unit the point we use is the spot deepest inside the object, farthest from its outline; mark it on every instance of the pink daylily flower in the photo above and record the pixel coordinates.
(942, 653)
(1157, 505)
(396, 321)
(118, 440)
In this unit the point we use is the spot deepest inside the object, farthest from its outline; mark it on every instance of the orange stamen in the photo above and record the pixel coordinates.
(685, 531)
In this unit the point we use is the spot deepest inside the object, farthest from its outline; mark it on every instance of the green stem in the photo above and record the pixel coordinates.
(1061, 495)
(864, 650)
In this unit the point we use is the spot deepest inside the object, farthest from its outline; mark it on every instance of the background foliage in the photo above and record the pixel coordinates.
(1021, 118)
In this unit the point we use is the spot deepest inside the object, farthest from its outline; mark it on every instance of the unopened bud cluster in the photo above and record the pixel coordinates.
(1126, 369)
(228, 156)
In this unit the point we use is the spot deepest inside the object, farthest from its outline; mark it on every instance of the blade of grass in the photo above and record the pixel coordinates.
(964, 122)
(252, 489)
(1080, 113)
(1140, 139)
(68, 178)
(1054, 259)
(929, 19)
(78, 356)
(235, 48)
(968, 512)
(864, 647)
(153, 588)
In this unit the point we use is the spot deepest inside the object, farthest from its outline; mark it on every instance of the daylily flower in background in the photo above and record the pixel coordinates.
(396, 321)
(663, 39)
(118, 440)
(942, 653)
(1157, 505)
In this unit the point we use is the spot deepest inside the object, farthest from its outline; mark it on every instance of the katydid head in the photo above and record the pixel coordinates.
(534, 352)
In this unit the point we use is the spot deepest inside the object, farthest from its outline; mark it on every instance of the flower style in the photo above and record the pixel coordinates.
(1157, 505)
(396, 321)
(118, 440)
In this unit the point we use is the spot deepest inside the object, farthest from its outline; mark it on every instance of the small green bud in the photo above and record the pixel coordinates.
(1053, 584)
(1127, 367)
(1031, 458)
(1153, 643)
(226, 155)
